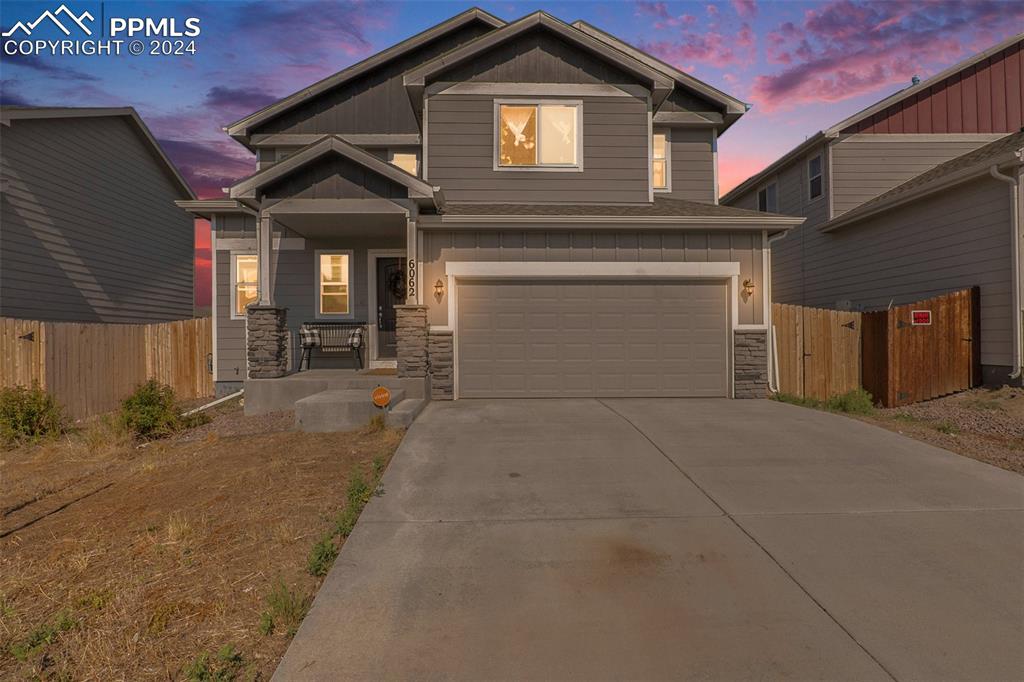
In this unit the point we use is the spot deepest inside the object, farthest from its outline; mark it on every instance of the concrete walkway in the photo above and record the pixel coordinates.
(657, 539)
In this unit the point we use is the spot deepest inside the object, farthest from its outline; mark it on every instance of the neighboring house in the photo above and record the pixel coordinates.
(89, 231)
(545, 198)
(916, 195)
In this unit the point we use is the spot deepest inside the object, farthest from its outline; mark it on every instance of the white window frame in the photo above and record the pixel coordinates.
(543, 168)
(821, 174)
(667, 132)
(316, 284)
(391, 158)
(764, 188)
(233, 268)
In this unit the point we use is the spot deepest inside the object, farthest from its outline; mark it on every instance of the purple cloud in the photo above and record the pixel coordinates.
(210, 166)
(10, 97)
(46, 68)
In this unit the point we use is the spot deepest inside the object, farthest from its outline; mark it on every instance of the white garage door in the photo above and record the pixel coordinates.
(602, 338)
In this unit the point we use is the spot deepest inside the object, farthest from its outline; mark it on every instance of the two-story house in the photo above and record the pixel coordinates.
(512, 209)
(916, 195)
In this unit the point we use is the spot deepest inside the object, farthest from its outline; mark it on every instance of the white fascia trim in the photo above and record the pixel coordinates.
(703, 221)
(279, 244)
(589, 270)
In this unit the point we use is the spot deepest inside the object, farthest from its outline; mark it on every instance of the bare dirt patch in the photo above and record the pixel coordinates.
(984, 424)
(127, 562)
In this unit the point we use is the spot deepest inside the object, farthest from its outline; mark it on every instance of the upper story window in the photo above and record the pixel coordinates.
(659, 161)
(538, 135)
(814, 180)
(407, 161)
(334, 285)
(244, 287)
(768, 198)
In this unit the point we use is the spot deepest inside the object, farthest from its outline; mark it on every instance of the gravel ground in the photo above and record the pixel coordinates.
(227, 421)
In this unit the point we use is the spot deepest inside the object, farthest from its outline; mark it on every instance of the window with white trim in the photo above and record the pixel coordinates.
(334, 283)
(244, 283)
(659, 161)
(814, 178)
(407, 161)
(538, 135)
(768, 198)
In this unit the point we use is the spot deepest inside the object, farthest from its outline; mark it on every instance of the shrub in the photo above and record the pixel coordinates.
(28, 415)
(42, 636)
(321, 557)
(949, 428)
(285, 609)
(151, 412)
(222, 667)
(857, 401)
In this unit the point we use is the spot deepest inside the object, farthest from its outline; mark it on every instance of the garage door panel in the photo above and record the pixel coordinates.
(598, 338)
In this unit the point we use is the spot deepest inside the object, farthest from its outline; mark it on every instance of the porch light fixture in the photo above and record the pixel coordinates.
(439, 289)
(748, 287)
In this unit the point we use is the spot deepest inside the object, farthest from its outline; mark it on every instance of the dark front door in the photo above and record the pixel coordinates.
(390, 292)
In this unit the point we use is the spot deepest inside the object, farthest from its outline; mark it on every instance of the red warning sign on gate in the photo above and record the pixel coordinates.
(920, 318)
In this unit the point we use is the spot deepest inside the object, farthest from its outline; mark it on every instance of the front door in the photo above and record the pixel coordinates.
(390, 292)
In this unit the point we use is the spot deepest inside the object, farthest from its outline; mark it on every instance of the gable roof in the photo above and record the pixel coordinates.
(416, 79)
(733, 107)
(965, 167)
(8, 114)
(418, 189)
(881, 105)
(241, 127)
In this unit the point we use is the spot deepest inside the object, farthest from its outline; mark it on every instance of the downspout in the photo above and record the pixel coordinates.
(1015, 231)
(773, 348)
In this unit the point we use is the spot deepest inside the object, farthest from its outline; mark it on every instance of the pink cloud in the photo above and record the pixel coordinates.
(848, 48)
(660, 12)
(707, 47)
(745, 8)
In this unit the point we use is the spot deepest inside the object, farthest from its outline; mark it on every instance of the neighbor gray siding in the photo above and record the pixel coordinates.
(376, 102)
(293, 274)
(460, 154)
(866, 165)
(89, 231)
(612, 245)
(951, 240)
(692, 164)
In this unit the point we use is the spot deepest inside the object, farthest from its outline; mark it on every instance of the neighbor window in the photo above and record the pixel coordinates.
(538, 135)
(767, 199)
(814, 177)
(333, 283)
(659, 161)
(407, 161)
(244, 278)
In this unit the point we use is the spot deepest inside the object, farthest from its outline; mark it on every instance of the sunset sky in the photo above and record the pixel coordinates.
(802, 65)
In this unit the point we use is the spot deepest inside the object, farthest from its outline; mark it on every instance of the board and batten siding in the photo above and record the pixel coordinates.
(376, 102)
(608, 245)
(90, 232)
(293, 273)
(867, 165)
(692, 164)
(955, 239)
(461, 147)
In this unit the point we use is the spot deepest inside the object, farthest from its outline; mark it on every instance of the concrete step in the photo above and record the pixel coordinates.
(402, 415)
(339, 410)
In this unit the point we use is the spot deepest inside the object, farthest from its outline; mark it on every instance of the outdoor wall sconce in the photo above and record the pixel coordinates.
(748, 288)
(439, 289)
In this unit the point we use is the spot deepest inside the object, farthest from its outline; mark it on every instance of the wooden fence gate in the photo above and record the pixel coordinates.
(907, 360)
(90, 368)
(819, 350)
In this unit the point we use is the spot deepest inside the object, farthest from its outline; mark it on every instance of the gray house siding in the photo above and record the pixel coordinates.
(460, 154)
(374, 103)
(623, 244)
(866, 165)
(90, 232)
(334, 177)
(951, 240)
(692, 163)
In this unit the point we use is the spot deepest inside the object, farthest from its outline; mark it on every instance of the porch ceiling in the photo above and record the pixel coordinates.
(321, 218)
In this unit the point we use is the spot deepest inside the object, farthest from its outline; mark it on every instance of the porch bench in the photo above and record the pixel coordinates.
(332, 337)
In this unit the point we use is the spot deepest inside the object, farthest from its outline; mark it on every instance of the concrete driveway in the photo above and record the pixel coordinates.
(655, 539)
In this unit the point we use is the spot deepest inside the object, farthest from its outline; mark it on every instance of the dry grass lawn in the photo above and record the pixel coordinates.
(120, 562)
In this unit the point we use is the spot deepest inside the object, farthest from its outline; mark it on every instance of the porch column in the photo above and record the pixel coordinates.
(412, 340)
(266, 325)
(411, 262)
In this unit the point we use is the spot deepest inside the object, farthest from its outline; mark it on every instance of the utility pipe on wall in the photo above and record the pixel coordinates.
(773, 351)
(1015, 228)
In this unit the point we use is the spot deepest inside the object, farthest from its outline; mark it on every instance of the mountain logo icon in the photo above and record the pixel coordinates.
(63, 10)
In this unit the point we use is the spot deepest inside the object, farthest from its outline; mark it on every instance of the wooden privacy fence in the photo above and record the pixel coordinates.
(818, 350)
(90, 368)
(898, 359)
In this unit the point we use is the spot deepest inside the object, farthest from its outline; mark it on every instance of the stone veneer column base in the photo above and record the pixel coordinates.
(411, 337)
(441, 352)
(750, 365)
(267, 341)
